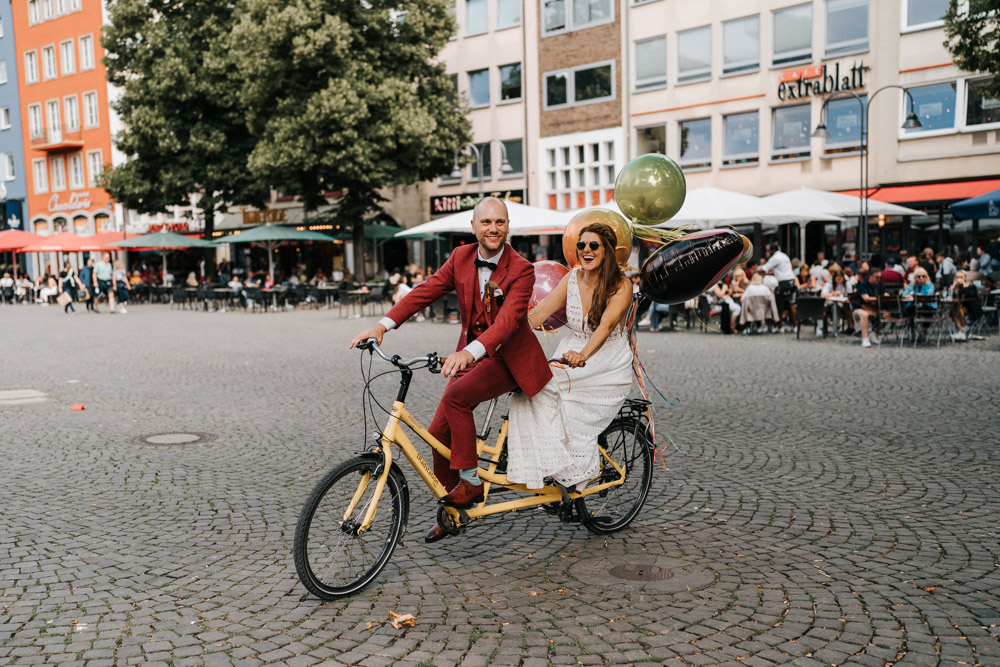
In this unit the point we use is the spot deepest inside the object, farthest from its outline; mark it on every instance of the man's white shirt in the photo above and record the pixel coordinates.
(781, 265)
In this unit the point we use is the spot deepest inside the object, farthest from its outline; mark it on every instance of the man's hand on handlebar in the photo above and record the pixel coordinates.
(455, 363)
(375, 332)
(574, 359)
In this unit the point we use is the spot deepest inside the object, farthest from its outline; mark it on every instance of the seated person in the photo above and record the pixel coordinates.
(805, 281)
(6, 281)
(865, 301)
(970, 309)
(892, 279)
(723, 295)
(837, 287)
(921, 284)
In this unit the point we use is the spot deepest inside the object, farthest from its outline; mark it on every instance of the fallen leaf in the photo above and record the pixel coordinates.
(561, 591)
(529, 556)
(533, 593)
(399, 620)
(931, 589)
(368, 625)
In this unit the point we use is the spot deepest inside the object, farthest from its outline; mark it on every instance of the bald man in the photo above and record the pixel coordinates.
(496, 353)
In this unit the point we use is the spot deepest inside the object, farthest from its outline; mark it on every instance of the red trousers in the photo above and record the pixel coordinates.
(454, 425)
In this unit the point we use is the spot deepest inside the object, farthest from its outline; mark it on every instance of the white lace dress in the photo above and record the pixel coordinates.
(554, 433)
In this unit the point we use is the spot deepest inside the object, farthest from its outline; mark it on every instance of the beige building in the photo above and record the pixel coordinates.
(733, 90)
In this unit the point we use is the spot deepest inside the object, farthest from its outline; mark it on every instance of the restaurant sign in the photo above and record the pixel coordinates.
(820, 80)
(76, 202)
(267, 215)
(169, 227)
(466, 202)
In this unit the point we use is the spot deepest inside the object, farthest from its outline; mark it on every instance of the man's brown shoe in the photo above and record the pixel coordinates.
(435, 533)
(463, 496)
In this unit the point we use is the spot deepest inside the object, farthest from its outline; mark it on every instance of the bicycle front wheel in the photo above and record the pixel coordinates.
(333, 557)
(627, 444)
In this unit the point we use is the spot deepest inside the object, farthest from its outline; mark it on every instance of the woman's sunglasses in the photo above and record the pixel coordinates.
(594, 245)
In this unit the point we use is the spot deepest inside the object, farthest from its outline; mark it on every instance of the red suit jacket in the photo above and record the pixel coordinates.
(508, 334)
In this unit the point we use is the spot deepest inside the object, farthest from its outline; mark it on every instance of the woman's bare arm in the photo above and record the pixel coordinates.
(549, 305)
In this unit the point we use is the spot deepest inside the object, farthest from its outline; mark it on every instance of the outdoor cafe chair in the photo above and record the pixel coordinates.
(7, 295)
(894, 317)
(811, 309)
(931, 314)
(179, 298)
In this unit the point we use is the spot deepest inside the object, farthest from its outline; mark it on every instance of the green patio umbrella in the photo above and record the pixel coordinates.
(164, 241)
(273, 236)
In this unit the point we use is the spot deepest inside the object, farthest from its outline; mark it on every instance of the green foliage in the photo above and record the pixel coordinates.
(180, 104)
(974, 39)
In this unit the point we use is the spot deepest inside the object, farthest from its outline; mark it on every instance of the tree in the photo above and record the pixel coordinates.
(185, 126)
(347, 96)
(973, 30)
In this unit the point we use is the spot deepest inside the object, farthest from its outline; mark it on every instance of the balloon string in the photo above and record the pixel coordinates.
(569, 380)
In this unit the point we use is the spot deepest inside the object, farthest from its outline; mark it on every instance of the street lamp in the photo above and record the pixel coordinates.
(911, 123)
(505, 167)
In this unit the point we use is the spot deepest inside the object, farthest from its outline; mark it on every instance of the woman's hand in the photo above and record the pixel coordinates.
(574, 359)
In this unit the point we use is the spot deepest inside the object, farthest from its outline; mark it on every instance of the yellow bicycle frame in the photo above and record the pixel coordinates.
(394, 434)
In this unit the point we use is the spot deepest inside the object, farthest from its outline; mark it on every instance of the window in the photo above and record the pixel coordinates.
(41, 178)
(651, 140)
(651, 63)
(90, 115)
(980, 110)
(560, 15)
(35, 128)
(935, 107)
(74, 5)
(477, 18)
(72, 111)
(95, 165)
(49, 62)
(924, 13)
(60, 7)
(46, 9)
(508, 13)
(792, 35)
(741, 144)
(790, 132)
(4, 118)
(76, 181)
(1, 27)
(484, 152)
(555, 16)
(581, 85)
(846, 26)
(34, 13)
(58, 167)
(68, 57)
(8, 167)
(515, 157)
(694, 55)
(696, 143)
(741, 45)
(580, 172)
(3, 71)
(843, 122)
(30, 67)
(510, 82)
(86, 53)
(54, 120)
(479, 88)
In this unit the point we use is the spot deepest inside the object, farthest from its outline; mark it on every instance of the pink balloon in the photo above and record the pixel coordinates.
(547, 276)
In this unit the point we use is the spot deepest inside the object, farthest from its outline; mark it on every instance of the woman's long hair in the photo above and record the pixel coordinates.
(610, 279)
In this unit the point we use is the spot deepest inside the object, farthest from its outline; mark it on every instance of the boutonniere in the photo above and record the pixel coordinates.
(491, 292)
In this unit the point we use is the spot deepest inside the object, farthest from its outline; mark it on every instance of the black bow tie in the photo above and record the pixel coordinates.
(483, 264)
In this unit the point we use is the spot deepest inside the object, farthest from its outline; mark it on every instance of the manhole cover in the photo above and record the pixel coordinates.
(168, 439)
(639, 572)
(650, 574)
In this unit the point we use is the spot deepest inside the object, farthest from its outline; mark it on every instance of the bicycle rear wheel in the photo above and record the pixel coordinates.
(332, 557)
(628, 445)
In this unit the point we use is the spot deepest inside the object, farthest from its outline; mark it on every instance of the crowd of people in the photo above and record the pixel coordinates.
(851, 289)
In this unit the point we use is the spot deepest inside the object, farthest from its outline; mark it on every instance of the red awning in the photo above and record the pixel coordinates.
(929, 192)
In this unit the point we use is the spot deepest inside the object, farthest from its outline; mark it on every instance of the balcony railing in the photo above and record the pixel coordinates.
(54, 141)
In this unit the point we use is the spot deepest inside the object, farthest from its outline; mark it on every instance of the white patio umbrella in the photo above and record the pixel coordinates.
(523, 219)
(708, 207)
(834, 203)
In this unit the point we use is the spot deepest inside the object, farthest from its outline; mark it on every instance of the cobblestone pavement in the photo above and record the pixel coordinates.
(842, 502)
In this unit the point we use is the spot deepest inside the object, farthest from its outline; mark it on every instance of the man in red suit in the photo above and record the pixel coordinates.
(497, 351)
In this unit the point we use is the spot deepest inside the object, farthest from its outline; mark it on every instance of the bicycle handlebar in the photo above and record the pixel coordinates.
(431, 359)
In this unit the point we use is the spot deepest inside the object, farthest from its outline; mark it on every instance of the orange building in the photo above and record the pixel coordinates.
(66, 114)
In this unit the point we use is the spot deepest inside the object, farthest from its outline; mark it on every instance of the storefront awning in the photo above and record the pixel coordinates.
(930, 193)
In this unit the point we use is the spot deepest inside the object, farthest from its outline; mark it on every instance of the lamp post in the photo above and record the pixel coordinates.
(911, 122)
(505, 167)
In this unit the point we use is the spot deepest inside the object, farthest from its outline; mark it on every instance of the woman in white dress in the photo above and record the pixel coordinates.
(554, 433)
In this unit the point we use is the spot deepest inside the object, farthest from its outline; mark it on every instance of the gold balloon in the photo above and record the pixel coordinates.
(747, 251)
(623, 248)
(650, 189)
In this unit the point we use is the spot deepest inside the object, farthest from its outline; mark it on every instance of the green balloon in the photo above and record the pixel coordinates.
(650, 189)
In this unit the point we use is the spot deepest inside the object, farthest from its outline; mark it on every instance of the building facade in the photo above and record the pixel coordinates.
(13, 188)
(65, 101)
